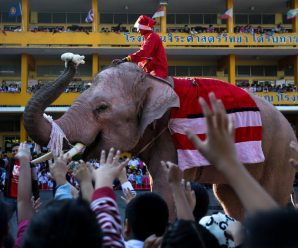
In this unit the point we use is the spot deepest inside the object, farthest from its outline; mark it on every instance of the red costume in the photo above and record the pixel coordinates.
(151, 48)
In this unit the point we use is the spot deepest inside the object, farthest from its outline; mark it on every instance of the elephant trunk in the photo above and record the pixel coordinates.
(38, 128)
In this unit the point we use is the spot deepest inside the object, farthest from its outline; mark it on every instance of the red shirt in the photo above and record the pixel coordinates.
(13, 192)
(152, 47)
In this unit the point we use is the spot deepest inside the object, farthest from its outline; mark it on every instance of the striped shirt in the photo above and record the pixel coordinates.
(105, 207)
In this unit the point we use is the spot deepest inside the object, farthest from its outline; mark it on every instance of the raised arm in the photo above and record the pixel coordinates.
(219, 149)
(104, 200)
(177, 184)
(84, 176)
(25, 210)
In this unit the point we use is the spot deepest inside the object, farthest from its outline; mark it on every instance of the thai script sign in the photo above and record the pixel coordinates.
(288, 98)
(219, 39)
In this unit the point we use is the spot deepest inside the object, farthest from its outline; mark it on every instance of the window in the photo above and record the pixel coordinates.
(210, 19)
(85, 70)
(132, 18)
(209, 70)
(120, 18)
(268, 19)
(7, 18)
(255, 19)
(172, 70)
(49, 70)
(106, 18)
(241, 19)
(257, 70)
(73, 17)
(285, 20)
(196, 19)
(182, 19)
(289, 71)
(181, 71)
(10, 70)
(270, 70)
(59, 18)
(243, 70)
(44, 18)
(171, 19)
(195, 71)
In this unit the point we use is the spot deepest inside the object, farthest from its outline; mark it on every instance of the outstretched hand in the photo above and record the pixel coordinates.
(174, 174)
(59, 169)
(23, 152)
(82, 172)
(109, 169)
(219, 144)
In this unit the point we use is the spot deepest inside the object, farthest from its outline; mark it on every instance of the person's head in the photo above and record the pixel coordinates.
(275, 228)
(145, 215)
(202, 200)
(186, 233)
(144, 24)
(64, 223)
(217, 225)
(15, 149)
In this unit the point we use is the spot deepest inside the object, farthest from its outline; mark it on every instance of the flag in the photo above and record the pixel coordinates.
(292, 13)
(159, 12)
(227, 14)
(89, 18)
(15, 10)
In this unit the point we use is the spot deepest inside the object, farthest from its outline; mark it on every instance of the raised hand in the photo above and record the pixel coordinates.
(109, 169)
(82, 172)
(174, 174)
(23, 152)
(36, 204)
(219, 145)
(59, 169)
(127, 195)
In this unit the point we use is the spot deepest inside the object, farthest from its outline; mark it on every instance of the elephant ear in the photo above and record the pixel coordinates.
(160, 97)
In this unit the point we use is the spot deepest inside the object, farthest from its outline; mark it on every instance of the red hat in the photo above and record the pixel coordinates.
(145, 23)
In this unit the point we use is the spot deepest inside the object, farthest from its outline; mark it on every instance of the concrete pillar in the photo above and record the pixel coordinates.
(230, 20)
(232, 68)
(95, 22)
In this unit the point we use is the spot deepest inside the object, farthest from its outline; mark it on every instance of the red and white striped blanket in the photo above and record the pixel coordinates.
(239, 105)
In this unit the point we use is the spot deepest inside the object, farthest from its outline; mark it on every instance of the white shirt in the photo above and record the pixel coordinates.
(133, 243)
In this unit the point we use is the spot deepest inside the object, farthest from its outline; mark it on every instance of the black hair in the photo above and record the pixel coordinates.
(202, 200)
(65, 224)
(276, 228)
(187, 233)
(147, 214)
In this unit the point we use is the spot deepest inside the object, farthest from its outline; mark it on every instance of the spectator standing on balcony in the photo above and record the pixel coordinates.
(186, 29)
(152, 56)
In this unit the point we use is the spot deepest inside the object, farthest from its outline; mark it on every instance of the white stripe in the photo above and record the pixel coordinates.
(198, 125)
(140, 26)
(247, 152)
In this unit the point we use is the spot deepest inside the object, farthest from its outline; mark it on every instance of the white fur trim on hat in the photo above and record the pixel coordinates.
(140, 26)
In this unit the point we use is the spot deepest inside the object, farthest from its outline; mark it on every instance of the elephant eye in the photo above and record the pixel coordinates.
(101, 108)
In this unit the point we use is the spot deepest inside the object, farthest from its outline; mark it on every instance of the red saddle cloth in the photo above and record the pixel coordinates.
(240, 107)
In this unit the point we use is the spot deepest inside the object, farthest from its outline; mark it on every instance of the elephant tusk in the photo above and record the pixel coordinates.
(79, 147)
(43, 158)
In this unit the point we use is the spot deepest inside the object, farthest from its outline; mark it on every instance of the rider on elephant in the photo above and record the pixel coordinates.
(151, 56)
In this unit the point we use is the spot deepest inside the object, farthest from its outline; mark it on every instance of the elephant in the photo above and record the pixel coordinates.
(129, 110)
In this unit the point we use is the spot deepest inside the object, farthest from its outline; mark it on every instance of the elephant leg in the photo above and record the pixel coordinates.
(229, 201)
(163, 149)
